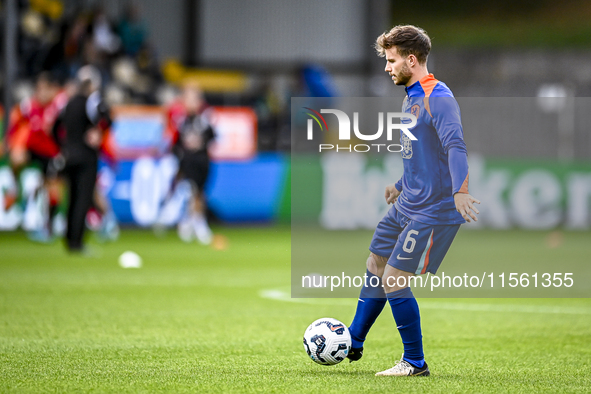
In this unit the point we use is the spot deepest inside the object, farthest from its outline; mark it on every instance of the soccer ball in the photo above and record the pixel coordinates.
(130, 259)
(327, 341)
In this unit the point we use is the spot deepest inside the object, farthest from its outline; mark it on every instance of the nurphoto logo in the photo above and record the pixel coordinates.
(344, 131)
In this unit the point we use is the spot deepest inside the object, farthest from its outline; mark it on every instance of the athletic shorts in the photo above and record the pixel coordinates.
(412, 246)
(42, 161)
(194, 166)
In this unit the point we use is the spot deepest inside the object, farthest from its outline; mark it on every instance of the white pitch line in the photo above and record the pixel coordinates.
(452, 306)
(284, 295)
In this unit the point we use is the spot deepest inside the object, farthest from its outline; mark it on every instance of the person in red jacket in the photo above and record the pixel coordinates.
(30, 139)
(31, 121)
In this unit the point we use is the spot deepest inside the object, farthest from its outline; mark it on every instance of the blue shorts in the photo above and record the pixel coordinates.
(412, 246)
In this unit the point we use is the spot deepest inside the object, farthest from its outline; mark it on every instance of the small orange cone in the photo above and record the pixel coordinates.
(219, 242)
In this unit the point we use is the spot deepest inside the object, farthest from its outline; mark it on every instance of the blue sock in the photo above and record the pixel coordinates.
(370, 305)
(408, 321)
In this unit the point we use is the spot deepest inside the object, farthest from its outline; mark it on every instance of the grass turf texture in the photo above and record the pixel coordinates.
(193, 320)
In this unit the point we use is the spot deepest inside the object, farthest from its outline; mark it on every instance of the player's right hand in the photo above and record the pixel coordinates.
(93, 138)
(465, 205)
(391, 194)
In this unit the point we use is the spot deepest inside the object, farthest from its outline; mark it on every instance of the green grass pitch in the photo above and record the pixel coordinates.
(194, 319)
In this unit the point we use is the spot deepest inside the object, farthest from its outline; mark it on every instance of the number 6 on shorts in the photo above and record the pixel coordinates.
(409, 238)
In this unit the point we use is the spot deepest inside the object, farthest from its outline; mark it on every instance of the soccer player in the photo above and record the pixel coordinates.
(431, 199)
(190, 130)
(31, 139)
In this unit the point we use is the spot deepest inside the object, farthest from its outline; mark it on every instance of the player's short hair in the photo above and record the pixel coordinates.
(408, 40)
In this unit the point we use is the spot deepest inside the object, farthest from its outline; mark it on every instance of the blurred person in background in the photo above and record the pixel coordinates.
(80, 132)
(50, 39)
(2, 134)
(132, 30)
(31, 140)
(190, 131)
(32, 120)
(38, 21)
(101, 217)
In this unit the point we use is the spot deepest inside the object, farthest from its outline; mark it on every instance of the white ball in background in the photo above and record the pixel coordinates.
(130, 259)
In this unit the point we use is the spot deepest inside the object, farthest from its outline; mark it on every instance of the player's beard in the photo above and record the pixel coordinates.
(403, 76)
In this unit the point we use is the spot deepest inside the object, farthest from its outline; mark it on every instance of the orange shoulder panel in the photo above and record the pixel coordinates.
(428, 83)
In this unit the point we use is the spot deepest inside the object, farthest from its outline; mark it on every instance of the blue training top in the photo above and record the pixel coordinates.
(436, 164)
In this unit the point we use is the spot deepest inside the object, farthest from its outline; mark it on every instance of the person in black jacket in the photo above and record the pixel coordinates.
(189, 128)
(195, 136)
(80, 134)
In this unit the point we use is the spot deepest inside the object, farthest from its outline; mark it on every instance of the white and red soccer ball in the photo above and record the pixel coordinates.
(327, 341)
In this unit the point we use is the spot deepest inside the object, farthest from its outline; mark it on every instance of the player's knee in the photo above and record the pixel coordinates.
(394, 280)
(391, 283)
(371, 264)
(376, 264)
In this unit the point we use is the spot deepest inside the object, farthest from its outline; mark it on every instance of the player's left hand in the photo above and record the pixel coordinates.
(391, 194)
(465, 206)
